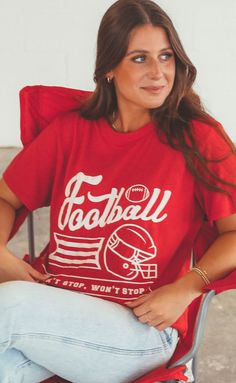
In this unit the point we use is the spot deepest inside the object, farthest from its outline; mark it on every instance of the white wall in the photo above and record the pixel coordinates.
(52, 42)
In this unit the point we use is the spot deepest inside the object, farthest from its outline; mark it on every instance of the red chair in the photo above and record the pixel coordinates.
(39, 105)
(55, 379)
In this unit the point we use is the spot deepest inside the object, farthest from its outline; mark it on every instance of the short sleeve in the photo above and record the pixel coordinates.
(31, 173)
(222, 162)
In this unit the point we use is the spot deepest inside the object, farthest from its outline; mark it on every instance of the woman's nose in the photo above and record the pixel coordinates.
(155, 69)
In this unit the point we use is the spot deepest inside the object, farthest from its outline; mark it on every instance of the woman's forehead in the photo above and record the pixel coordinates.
(147, 37)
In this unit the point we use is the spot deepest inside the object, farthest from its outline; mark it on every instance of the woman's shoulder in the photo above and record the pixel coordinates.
(69, 128)
(69, 122)
(211, 137)
(203, 128)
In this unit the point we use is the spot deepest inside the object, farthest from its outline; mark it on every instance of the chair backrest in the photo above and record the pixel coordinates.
(39, 105)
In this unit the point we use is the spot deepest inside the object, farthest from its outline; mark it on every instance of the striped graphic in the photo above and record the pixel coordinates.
(76, 252)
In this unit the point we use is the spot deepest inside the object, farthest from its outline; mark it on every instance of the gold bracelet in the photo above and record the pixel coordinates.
(202, 273)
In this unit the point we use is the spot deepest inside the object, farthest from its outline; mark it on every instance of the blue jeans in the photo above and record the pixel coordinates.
(46, 330)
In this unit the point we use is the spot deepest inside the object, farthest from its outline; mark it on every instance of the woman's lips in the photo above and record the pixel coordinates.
(153, 89)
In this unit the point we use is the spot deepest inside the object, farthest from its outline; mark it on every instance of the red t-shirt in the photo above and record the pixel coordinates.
(124, 209)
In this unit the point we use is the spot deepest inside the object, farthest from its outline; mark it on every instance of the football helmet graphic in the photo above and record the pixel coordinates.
(128, 252)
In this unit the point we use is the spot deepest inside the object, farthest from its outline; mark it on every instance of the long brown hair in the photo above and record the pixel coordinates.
(181, 107)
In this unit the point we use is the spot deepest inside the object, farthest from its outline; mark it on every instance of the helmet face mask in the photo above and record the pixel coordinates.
(127, 252)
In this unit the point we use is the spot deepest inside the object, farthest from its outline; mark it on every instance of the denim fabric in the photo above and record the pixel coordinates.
(46, 330)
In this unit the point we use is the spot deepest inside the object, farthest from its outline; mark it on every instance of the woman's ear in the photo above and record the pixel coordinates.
(109, 76)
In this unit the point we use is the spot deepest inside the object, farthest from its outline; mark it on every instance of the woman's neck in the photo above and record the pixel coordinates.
(125, 122)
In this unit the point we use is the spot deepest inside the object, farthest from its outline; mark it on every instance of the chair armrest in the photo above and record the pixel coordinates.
(198, 332)
(31, 242)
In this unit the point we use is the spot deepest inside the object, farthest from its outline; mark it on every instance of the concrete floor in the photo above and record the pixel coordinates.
(217, 355)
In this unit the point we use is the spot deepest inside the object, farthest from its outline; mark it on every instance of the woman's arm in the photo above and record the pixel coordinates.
(9, 203)
(11, 267)
(220, 258)
(162, 307)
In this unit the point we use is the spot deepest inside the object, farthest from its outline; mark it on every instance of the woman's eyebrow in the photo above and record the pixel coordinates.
(145, 51)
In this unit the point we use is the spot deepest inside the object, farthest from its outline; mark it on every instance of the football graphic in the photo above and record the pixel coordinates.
(137, 193)
(128, 252)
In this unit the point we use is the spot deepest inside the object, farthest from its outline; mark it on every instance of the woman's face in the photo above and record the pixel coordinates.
(145, 76)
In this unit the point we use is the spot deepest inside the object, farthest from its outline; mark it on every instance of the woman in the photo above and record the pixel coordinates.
(130, 179)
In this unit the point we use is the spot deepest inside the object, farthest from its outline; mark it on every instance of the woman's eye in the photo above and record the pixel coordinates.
(166, 56)
(139, 59)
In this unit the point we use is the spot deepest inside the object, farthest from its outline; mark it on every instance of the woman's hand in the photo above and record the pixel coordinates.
(15, 269)
(163, 306)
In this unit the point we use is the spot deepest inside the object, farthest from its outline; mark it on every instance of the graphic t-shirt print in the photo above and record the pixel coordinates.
(123, 261)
